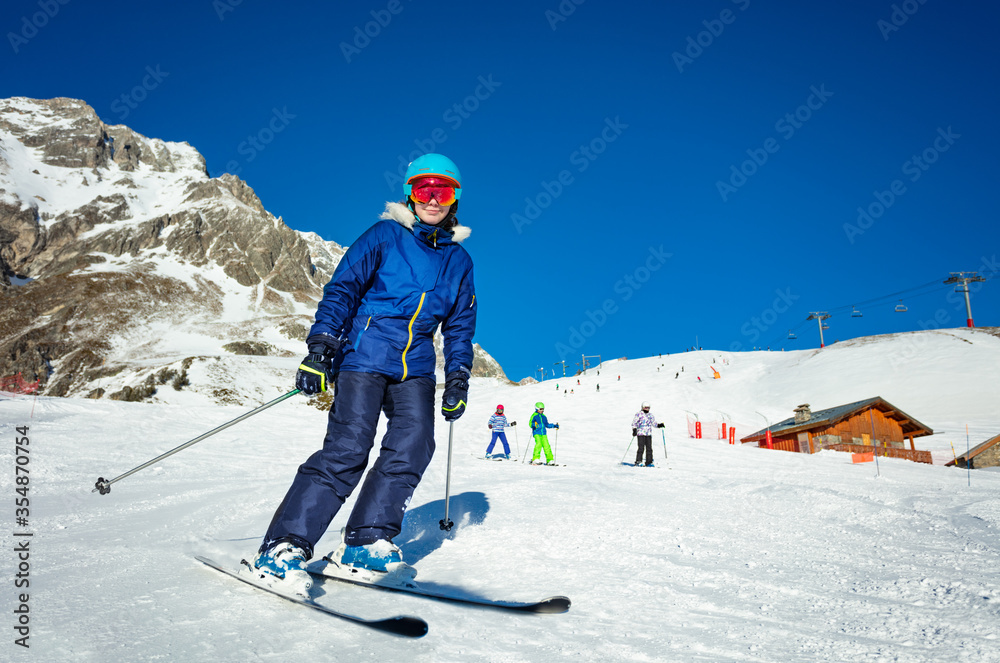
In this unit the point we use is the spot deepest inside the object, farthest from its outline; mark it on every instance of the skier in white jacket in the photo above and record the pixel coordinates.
(643, 424)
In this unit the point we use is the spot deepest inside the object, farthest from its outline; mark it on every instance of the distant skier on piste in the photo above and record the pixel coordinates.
(497, 423)
(539, 423)
(642, 430)
(373, 343)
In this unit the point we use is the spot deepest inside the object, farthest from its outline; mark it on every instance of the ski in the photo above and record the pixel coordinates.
(410, 627)
(327, 568)
(494, 457)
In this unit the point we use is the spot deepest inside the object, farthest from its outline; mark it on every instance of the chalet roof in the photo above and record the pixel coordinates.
(976, 450)
(834, 415)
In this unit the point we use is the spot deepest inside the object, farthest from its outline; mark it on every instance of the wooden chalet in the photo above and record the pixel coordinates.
(872, 425)
(986, 454)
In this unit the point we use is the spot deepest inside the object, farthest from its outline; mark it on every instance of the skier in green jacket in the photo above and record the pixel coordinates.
(538, 424)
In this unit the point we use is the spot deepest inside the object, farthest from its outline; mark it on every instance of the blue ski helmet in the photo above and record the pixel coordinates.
(437, 165)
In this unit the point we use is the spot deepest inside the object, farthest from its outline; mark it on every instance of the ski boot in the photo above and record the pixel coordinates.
(380, 560)
(281, 567)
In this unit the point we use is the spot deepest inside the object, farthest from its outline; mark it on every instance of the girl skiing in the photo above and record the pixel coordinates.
(497, 423)
(373, 343)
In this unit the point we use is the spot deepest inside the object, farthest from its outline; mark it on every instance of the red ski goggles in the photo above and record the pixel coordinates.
(440, 189)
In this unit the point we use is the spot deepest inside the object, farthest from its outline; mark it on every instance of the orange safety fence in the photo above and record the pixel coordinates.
(15, 384)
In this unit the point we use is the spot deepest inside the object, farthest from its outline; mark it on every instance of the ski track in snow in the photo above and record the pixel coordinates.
(719, 553)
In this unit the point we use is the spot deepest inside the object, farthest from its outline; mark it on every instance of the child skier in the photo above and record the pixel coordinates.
(538, 424)
(642, 430)
(373, 343)
(497, 423)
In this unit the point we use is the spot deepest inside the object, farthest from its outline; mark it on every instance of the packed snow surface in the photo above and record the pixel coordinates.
(719, 553)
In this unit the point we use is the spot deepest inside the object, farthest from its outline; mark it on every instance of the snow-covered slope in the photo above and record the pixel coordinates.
(720, 553)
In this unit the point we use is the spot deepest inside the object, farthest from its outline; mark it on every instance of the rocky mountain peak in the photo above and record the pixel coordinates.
(125, 267)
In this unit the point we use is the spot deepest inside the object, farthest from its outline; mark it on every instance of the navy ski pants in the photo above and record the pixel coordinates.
(329, 476)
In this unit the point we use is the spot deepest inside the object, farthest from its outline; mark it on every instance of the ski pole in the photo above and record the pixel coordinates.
(871, 417)
(664, 436)
(526, 447)
(555, 445)
(514, 426)
(445, 523)
(103, 486)
(628, 447)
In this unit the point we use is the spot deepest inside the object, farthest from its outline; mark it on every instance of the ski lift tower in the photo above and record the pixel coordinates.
(819, 317)
(560, 363)
(585, 363)
(965, 278)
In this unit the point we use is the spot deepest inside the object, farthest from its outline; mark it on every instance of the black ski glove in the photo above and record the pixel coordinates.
(316, 372)
(635, 431)
(456, 391)
(513, 423)
(660, 425)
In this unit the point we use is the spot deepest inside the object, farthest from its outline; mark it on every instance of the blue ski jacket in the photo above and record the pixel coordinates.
(539, 423)
(391, 290)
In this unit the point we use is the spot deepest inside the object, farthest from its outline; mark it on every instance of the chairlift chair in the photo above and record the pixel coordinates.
(900, 307)
(791, 335)
(856, 313)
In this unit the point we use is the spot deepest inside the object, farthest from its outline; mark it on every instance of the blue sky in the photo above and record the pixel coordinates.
(639, 177)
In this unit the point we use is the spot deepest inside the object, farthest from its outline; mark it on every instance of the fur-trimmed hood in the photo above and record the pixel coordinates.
(402, 215)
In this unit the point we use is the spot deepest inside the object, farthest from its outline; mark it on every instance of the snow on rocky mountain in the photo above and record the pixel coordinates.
(127, 272)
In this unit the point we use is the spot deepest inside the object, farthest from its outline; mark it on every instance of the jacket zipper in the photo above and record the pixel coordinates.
(358, 339)
(409, 340)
